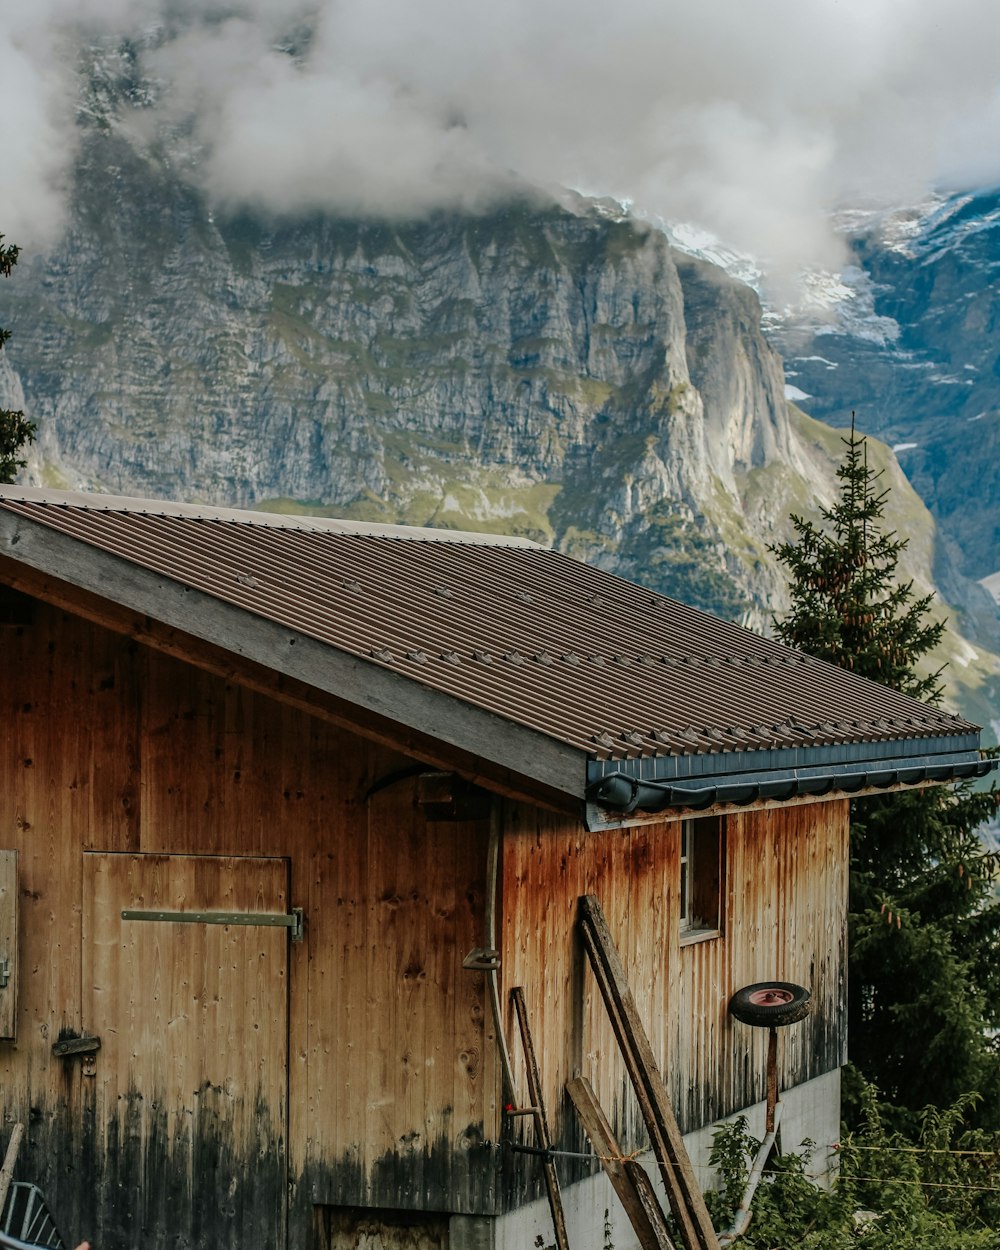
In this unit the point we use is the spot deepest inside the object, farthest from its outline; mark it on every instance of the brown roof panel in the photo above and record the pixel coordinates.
(559, 647)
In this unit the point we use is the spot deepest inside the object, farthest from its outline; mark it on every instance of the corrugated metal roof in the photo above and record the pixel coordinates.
(551, 644)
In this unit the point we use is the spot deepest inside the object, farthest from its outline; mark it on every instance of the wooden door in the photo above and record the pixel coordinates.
(186, 1109)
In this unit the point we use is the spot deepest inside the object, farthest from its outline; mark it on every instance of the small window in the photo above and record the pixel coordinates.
(701, 872)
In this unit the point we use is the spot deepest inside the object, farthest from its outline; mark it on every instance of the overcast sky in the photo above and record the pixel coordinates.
(750, 119)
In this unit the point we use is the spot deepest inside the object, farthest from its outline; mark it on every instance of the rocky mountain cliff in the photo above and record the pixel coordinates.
(550, 368)
(911, 342)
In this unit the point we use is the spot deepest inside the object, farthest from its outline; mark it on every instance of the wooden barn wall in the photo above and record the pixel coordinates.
(109, 747)
(784, 916)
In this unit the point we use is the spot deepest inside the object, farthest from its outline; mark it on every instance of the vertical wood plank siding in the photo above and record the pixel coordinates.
(393, 1083)
(784, 919)
(110, 747)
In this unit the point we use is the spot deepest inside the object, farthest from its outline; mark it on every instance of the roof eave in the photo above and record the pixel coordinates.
(509, 747)
(618, 794)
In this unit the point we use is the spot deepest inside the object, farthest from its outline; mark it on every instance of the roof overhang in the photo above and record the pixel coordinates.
(439, 726)
(176, 618)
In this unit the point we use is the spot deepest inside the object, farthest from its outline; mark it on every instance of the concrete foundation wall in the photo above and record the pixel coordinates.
(594, 1216)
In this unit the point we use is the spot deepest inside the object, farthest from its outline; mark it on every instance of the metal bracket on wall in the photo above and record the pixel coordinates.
(293, 921)
(482, 959)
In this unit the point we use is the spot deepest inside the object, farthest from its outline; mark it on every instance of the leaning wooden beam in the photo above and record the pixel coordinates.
(541, 1122)
(650, 1203)
(632, 1185)
(686, 1201)
(10, 1159)
(676, 1195)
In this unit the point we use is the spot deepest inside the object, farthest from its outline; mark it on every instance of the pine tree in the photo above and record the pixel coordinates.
(924, 944)
(847, 606)
(15, 430)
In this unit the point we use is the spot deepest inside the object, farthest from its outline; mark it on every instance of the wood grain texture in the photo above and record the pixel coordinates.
(686, 1201)
(67, 776)
(784, 917)
(190, 1095)
(114, 748)
(9, 928)
(643, 1209)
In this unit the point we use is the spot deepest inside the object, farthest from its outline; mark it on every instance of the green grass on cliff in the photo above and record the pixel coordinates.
(486, 502)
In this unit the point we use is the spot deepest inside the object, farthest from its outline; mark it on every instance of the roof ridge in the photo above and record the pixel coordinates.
(93, 501)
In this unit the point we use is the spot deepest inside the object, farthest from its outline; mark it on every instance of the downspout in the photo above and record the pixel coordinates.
(772, 1123)
(492, 978)
(741, 1220)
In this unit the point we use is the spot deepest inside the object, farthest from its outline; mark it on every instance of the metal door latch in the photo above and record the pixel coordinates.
(4, 972)
(294, 921)
(85, 1047)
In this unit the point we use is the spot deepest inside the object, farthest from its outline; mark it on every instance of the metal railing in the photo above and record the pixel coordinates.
(27, 1224)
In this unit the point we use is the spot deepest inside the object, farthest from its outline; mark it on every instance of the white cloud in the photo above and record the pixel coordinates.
(753, 120)
(36, 149)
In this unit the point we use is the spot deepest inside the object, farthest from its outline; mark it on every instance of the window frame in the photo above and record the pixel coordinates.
(701, 879)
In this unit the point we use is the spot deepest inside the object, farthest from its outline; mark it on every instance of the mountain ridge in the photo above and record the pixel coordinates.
(928, 382)
(550, 367)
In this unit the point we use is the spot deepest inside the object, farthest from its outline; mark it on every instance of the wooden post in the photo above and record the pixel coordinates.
(631, 1184)
(772, 1079)
(10, 1159)
(9, 902)
(686, 1201)
(541, 1122)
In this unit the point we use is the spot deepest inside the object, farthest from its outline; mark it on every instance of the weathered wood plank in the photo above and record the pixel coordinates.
(664, 1149)
(542, 1138)
(641, 1208)
(9, 928)
(475, 1063)
(686, 1201)
(648, 1200)
(9, 1162)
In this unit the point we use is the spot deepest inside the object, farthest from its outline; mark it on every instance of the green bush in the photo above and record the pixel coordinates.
(939, 1190)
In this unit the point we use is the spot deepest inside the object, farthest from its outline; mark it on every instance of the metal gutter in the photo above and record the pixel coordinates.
(622, 793)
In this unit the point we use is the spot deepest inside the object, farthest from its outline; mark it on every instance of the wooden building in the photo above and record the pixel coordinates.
(288, 808)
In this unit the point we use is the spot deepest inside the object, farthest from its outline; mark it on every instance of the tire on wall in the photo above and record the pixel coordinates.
(770, 1004)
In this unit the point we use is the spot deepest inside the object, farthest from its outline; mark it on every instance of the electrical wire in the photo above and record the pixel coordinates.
(835, 1147)
(882, 1180)
(928, 1150)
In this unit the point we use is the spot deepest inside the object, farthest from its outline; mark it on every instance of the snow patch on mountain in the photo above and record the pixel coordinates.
(992, 584)
(702, 244)
(827, 302)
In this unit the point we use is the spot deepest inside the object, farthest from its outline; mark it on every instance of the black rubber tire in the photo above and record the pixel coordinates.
(770, 1004)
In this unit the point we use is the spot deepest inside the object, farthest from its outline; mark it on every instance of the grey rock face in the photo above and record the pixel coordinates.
(551, 370)
(932, 384)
